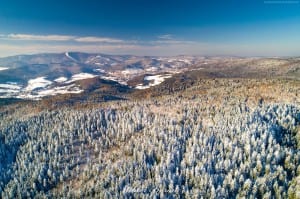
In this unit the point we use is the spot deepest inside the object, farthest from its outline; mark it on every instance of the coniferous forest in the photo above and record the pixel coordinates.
(211, 140)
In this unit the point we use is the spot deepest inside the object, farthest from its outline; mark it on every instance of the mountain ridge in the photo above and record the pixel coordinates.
(58, 73)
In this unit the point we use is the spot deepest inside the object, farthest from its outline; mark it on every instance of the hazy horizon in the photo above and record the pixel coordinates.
(153, 55)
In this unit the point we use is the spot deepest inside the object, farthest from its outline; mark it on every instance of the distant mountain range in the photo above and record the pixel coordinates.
(35, 76)
(40, 75)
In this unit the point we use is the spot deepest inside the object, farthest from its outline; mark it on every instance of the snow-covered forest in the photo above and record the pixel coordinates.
(175, 146)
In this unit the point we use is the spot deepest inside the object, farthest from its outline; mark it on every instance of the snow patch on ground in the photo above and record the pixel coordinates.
(185, 61)
(151, 69)
(61, 79)
(131, 71)
(8, 91)
(60, 90)
(45, 88)
(100, 70)
(81, 76)
(10, 86)
(67, 55)
(39, 87)
(141, 87)
(114, 79)
(39, 82)
(156, 80)
(73, 89)
(109, 78)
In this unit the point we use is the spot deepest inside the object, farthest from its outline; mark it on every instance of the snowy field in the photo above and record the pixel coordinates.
(41, 87)
(61, 79)
(39, 82)
(81, 76)
(155, 79)
(60, 90)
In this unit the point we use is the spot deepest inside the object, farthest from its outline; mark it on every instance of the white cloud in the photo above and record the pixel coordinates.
(161, 47)
(38, 37)
(3, 68)
(163, 39)
(169, 39)
(31, 37)
(166, 36)
(98, 39)
(172, 42)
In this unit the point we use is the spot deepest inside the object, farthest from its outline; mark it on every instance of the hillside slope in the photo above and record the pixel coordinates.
(213, 138)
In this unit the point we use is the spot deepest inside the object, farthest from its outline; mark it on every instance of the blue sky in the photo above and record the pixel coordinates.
(151, 27)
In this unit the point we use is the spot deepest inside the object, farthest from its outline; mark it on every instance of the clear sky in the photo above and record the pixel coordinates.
(151, 27)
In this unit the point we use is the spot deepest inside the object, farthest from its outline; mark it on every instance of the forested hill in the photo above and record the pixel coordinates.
(214, 140)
